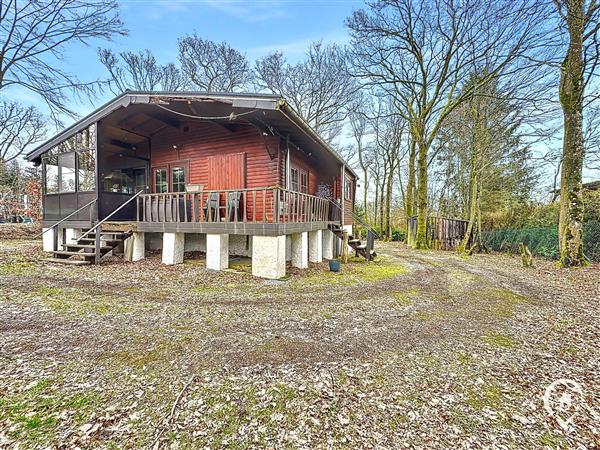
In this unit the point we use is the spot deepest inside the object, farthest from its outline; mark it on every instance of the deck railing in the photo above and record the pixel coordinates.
(254, 205)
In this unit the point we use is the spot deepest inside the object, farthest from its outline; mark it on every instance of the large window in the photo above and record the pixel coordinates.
(125, 181)
(66, 168)
(51, 175)
(171, 177)
(347, 189)
(70, 166)
(86, 171)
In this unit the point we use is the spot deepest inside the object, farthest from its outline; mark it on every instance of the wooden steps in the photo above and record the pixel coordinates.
(356, 244)
(83, 252)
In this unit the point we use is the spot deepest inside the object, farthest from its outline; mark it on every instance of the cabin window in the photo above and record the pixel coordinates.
(161, 183)
(125, 181)
(86, 171)
(294, 180)
(299, 180)
(51, 175)
(66, 170)
(304, 182)
(347, 189)
(177, 179)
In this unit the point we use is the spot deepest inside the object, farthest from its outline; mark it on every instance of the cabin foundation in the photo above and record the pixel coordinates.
(315, 246)
(217, 251)
(135, 247)
(268, 256)
(72, 234)
(328, 244)
(299, 250)
(48, 239)
(173, 244)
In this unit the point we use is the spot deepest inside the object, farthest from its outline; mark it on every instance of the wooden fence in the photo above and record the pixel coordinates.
(442, 233)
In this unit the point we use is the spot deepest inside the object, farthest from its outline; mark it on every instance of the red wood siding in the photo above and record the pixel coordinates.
(204, 140)
(299, 160)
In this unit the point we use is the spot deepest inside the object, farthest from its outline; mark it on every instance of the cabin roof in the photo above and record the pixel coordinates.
(266, 110)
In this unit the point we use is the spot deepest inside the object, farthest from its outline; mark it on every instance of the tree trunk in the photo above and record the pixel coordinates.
(421, 239)
(410, 187)
(570, 228)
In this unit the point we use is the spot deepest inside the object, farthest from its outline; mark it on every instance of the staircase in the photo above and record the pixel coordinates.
(365, 250)
(83, 252)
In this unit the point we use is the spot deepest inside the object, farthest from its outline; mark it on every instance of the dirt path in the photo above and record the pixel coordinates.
(420, 349)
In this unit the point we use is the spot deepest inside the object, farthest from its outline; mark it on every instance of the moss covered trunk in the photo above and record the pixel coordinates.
(409, 205)
(421, 239)
(570, 228)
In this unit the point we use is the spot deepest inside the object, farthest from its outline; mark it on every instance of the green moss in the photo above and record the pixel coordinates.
(500, 340)
(355, 272)
(36, 413)
(15, 268)
(72, 301)
(489, 396)
(507, 301)
(552, 441)
(404, 298)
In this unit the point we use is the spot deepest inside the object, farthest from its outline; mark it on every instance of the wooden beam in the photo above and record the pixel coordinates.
(173, 123)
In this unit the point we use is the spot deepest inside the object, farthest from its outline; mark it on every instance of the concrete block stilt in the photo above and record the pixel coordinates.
(135, 246)
(48, 239)
(268, 256)
(173, 244)
(300, 250)
(328, 244)
(217, 251)
(315, 246)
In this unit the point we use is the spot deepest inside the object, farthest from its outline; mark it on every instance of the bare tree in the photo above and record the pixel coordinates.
(319, 87)
(139, 71)
(33, 37)
(20, 128)
(579, 18)
(421, 52)
(213, 67)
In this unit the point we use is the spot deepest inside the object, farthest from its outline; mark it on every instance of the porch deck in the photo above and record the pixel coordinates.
(258, 211)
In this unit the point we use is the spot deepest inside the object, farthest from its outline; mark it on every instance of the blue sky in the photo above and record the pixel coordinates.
(255, 27)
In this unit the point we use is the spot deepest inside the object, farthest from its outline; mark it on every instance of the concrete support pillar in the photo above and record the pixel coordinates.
(135, 246)
(268, 256)
(48, 239)
(300, 250)
(217, 251)
(173, 244)
(71, 235)
(315, 246)
(328, 244)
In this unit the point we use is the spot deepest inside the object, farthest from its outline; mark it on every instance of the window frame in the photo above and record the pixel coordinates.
(299, 174)
(348, 182)
(184, 164)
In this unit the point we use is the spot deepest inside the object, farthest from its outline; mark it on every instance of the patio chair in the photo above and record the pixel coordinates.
(234, 200)
(213, 202)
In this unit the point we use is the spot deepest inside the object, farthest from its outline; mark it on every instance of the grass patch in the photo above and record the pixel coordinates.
(74, 302)
(507, 302)
(15, 268)
(489, 396)
(405, 298)
(36, 413)
(355, 272)
(500, 340)
(552, 441)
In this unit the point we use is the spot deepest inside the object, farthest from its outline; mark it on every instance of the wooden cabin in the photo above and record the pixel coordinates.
(227, 174)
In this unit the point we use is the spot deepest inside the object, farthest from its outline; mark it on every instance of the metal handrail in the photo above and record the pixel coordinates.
(62, 220)
(356, 218)
(95, 227)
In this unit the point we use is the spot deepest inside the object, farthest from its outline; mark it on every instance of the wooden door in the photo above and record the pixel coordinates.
(227, 171)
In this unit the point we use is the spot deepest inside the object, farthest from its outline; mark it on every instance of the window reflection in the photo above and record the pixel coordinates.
(178, 177)
(51, 175)
(86, 171)
(66, 165)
